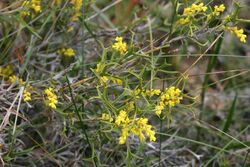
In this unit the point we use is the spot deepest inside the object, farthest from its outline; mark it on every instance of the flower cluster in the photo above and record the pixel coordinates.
(31, 5)
(217, 11)
(122, 118)
(183, 21)
(194, 9)
(6, 71)
(147, 92)
(151, 92)
(104, 79)
(141, 125)
(119, 45)
(68, 52)
(26, 95)
(190, 12)
(99, 68)
(170, 98)
(51, 98)
(137, 126)
(106, 117)
(19, 81)
(116, 81)
(238, 32)
(16, 79)
(77, 5)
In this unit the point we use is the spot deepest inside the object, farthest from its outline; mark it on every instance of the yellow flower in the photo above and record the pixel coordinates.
(238, 32)
(171, 97)
(183, 21)
(36, 5)
(122, 118)
(151, 92)
(125, 134)
(37, 8)
(70, 28)
(77, 5)
(140, 127)
(26, 95)
(99, 68)
(68, 52)
(220, 8)
(104, 79)
(119, 45)
(116, 80)
(159, 108)
(136, 92)
(51, 98)
(106, 117)
(25, 13)
(194, 9)
(217, 11)
(28, 6)
(7, 71)
(15, 79)
(137, 126)
(130, 106)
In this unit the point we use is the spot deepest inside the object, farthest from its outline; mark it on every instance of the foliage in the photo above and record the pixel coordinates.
(122, 83)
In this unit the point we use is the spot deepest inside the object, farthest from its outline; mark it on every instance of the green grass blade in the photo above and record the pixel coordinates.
(230, 114)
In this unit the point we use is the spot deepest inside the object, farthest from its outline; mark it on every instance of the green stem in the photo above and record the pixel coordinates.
(211, 64)
(243, 20)
(80, 119)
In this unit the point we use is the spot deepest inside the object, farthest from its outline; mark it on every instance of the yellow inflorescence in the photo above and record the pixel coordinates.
(147, 92)
(116, 81)
(6, 71)
(68, 52)
(183, 20)
(34, 5)
(99, 68)
(106, 117)
(104, 80)
(122, 118)
(15, 79)
(77, 5)
(141, 126)
(217, 11)
(119, 45)
(170, 98)
(159, 108)
(191, 11)
(137, 126)
(51, 98)
(26, 95)
(151, 92)
(238, 32)
(194, 9)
